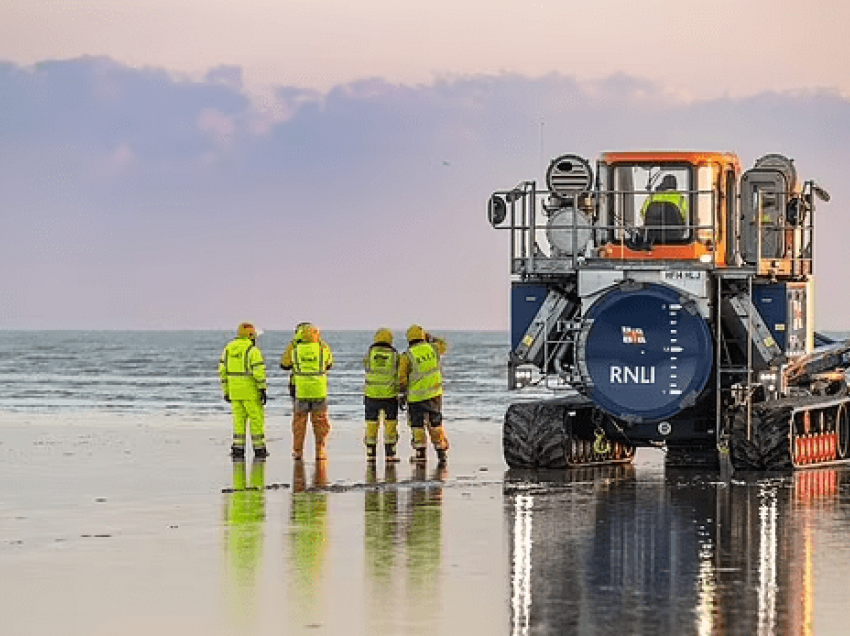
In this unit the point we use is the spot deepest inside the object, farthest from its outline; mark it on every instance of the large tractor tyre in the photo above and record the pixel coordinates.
(768, 446)
(743, 451)
(774, 429)
(534, 435)
(518, 435)
(551, 439)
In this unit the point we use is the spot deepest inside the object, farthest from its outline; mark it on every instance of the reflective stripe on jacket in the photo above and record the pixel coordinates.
(310, 362)
(242, 370)
(426, 377)
(381, 364)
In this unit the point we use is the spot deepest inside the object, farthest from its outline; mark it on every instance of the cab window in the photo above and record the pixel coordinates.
(652, 204)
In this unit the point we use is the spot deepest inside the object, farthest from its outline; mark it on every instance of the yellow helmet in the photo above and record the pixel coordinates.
(384, 335)
(415, 332)
(246, 330)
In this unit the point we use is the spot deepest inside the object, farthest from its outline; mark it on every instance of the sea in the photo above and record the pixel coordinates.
(176, 372)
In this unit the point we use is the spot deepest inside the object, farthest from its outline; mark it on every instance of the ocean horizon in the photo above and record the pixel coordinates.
(176, 372)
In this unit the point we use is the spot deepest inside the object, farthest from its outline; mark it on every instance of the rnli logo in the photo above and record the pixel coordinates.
(633, 335)
(631, 375)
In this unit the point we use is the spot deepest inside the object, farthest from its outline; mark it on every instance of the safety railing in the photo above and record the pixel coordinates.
(548, 239)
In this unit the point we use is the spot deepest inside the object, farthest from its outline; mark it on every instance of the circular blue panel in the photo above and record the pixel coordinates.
(646, 355)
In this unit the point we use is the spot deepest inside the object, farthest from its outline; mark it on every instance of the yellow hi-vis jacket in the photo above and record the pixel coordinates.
(420, 370)
(310, 364)
(242, 370)
(669, 196)
(381, 364)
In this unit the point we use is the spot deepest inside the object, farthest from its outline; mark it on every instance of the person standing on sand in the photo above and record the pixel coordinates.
(296, 339)
(243, 382)
(380, 395)
(310, 359)
(421, 379)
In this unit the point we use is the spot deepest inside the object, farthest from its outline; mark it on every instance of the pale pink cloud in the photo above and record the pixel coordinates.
(218, 125)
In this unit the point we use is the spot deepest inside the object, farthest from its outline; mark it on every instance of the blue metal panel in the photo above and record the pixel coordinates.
(772, 303)
(647, 356)
(525, 303)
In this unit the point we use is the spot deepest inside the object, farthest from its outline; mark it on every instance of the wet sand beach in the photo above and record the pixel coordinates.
(136, 525)
(143, 525)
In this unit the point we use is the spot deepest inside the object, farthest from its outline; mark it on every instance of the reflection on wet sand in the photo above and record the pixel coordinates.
(766, 540)
(308, 541)
(403, 547)
(245, 512)
(424, 538)
(596, 551)
(381, 534)
(381, 538)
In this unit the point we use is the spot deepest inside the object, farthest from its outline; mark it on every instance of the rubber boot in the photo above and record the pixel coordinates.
(371, 453)
(389, 452)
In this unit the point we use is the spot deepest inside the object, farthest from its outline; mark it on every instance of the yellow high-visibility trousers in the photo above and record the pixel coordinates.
(390, 432)
(245, 411)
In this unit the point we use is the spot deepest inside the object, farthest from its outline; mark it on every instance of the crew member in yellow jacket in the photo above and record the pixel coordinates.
(243, 382)
(420, 377)
(296, 338)
(380, 395)
(310, 359)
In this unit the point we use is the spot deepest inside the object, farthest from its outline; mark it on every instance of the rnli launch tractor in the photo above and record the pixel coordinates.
(667, 299)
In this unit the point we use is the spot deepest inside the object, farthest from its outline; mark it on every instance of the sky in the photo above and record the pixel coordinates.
(189, 165)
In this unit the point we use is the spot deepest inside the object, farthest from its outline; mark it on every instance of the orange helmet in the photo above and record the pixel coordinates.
(310, 333)
(246, 330)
